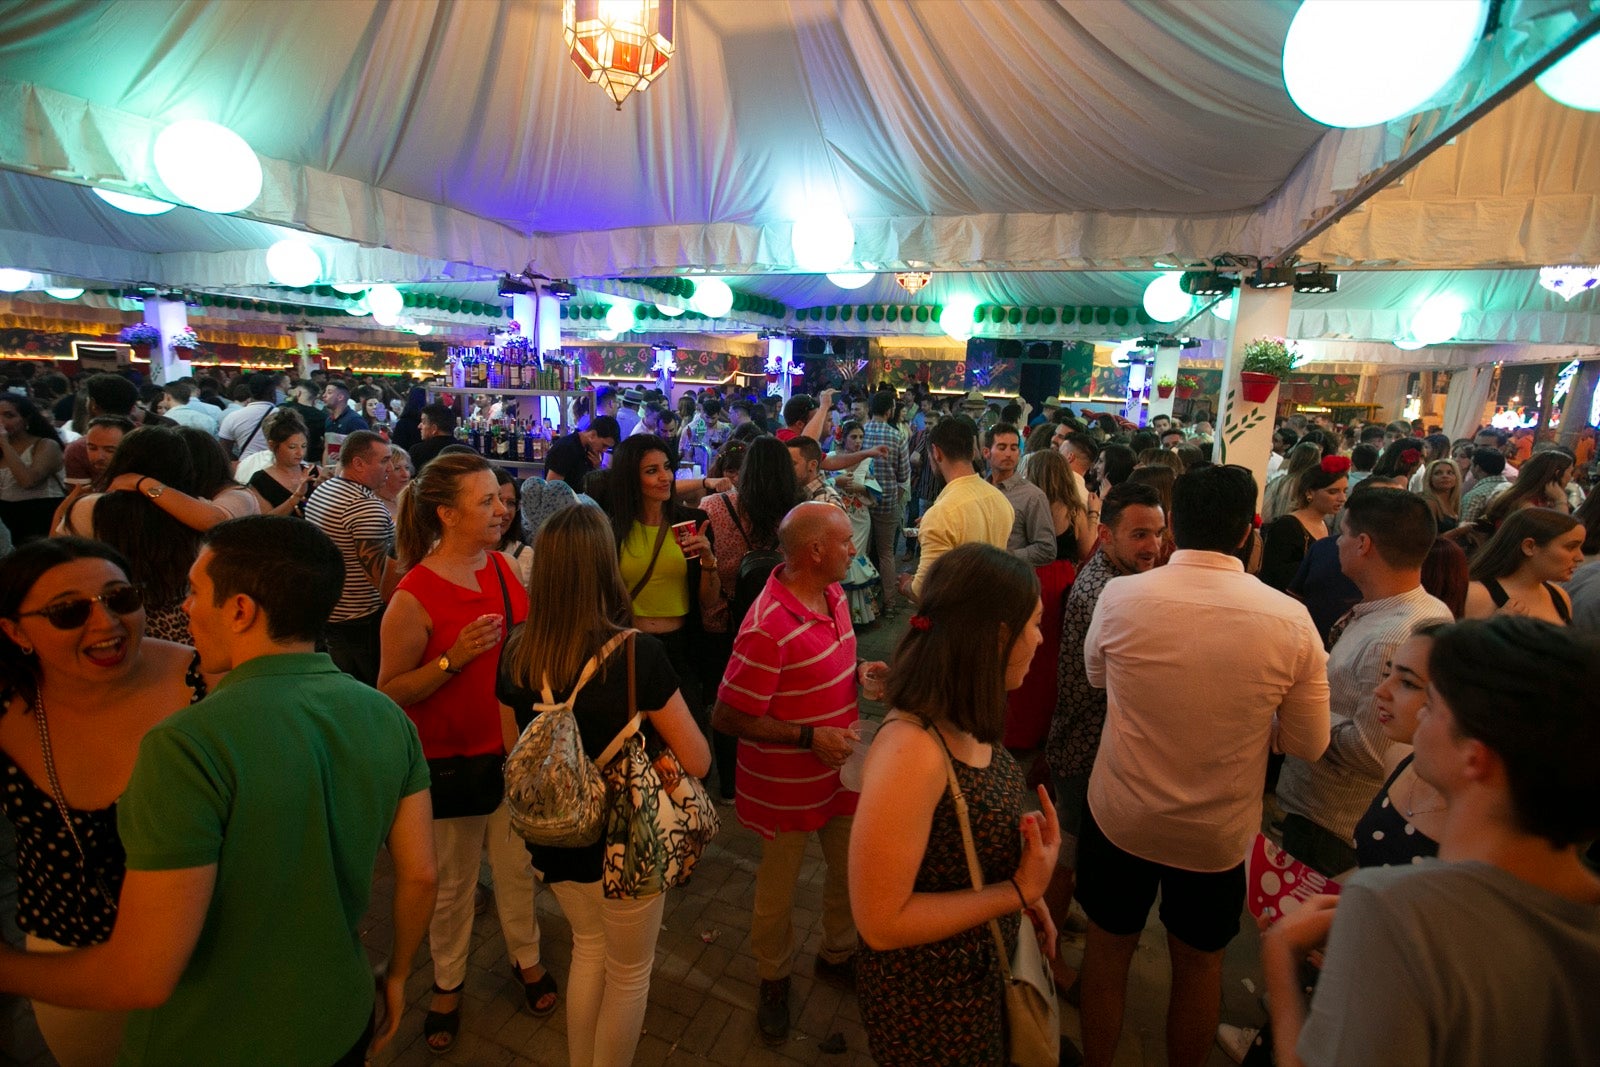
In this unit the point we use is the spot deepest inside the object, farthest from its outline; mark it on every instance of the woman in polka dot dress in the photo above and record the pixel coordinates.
(1406, 817)
(80, 685)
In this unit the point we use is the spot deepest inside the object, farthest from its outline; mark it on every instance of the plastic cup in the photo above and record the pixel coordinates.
(872, 682)
(850, 772)
(683, 532)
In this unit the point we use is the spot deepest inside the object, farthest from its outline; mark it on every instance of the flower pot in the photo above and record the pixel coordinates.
(1185, 392)
(1256, 387)
(141, 352)
(1164, 391)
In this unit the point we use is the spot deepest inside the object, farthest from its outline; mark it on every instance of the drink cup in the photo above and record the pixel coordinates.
(872, 681)
(684, 532)
(850, 772)
(912, 533)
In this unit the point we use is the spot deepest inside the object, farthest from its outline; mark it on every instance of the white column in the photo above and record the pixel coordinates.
(525, 309)
(1138, 374)
(541, 320)
(305, 341)
(1166, 366)
(780, 350)
(170, 317)
(1244, 430)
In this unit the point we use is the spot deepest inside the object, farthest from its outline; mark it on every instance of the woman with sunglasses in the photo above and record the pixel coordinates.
(80, 684)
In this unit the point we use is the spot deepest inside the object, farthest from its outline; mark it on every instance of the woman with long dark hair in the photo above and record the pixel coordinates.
(31, 464)
(1278, 499)
(282, 487)
(1318, 496)
(583, 611)
(132, 519)
(216, 497)
(1520, 570)
(928, 978)
(513, 542)
(441, 635)
(1541, 483)
(667, 581)
(80, 684)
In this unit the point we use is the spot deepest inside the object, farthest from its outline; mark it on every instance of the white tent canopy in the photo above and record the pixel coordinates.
(1043, 153)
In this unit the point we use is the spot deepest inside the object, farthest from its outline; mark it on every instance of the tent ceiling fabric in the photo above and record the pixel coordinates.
(1014, 139)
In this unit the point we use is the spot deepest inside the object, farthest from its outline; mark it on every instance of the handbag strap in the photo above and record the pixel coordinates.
(505, 593)
(661, 539)
(959, 800)
(635, 717)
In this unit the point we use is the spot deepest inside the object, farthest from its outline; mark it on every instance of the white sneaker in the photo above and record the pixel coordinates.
(1236, 1041)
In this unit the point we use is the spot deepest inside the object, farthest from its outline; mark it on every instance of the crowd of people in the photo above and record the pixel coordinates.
(234, 673)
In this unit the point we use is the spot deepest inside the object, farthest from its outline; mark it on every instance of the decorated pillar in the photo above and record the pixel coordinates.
(541, 320)
(305, 340)
(171, 317)
(780, 362)
(1244, 427)
(1579, 404)
(1165, 369)
(1138, 379)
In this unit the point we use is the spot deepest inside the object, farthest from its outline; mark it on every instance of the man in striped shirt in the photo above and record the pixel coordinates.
(893, 474)
(789, 695)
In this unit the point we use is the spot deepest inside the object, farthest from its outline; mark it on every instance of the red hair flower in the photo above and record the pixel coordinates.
(1255, 522)
(921, 623)
(1335, 464)
(1410, 456)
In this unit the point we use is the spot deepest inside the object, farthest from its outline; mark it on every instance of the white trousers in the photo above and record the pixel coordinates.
(613, 952)
(458, 845)
(77, 1037)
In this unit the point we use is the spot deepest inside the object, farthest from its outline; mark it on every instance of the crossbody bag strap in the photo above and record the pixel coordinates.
(635, 718)
(505, 591)
(661, 539)
(259, 423)
(959, 800)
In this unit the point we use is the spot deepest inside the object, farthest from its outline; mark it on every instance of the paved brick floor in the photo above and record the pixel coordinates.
(703, 995)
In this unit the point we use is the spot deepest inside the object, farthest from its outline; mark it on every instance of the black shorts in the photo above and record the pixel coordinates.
(1116, 889)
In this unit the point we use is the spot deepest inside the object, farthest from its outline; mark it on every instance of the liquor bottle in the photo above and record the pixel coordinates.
(527, 441)
(513, 365)
(502, 441)
(475, 437)
(483, 369)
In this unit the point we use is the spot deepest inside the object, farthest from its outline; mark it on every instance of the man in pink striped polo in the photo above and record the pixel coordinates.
(789, 695)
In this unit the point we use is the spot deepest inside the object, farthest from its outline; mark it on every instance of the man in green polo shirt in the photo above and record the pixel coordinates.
(252, 823)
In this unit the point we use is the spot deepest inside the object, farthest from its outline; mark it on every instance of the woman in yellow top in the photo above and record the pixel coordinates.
(666, 581)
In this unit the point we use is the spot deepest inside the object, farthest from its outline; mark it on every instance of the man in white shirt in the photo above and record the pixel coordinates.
(186, 410)
(241, 431)
(1175, 794)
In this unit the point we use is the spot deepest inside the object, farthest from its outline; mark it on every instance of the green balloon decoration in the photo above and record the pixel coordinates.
(1014, 316)
(1120, 316)
(877, 312)
(1032, 316)
(922, 313)
(1102, 316)
(1047, 316)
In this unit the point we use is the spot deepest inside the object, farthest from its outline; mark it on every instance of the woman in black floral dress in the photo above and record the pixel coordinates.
(928, 981)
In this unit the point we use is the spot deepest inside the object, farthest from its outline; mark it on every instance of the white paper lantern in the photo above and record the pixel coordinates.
(208, 166)
(851, 280)
(956, 319)
(1352, 64)
(669, 311)
(386, 300)
(712, 297)
(1575, 81)
(1223, 309)
(1165, 300)
(350, 288)
(65, 293)
(1409, 344)
(134, 205)
(1438, 320)
(823, 242)
(294, 263)
(619, 317)
(14, 281)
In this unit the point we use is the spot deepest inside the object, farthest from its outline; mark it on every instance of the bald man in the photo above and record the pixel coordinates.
(789, 695)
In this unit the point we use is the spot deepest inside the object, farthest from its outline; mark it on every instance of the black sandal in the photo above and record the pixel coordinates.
(443, 1022)
(537, 990)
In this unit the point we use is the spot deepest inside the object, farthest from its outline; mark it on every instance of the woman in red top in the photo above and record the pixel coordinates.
(441, 639)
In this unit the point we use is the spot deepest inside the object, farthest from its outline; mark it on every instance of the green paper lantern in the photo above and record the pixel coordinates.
(980, 313)
(231, 303)
(1144, 317)
(563, 311)
(1121, 316)
(846, 311)
(1047, 316)
(454, 305)
(1102, 316)
(878, 312)
(1032, 316)
(922, 313)
(1014, 316)
(1067, 315)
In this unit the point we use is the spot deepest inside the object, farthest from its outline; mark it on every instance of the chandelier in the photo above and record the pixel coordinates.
(1567, 281)
(619, 45)
(912, 281)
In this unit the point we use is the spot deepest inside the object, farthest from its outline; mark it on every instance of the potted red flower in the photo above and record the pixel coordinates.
(1188, 385)
(1267, 361)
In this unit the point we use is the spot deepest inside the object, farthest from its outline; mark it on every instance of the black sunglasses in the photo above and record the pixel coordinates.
(71, 614)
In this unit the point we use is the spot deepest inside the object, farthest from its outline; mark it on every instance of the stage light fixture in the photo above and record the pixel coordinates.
(1271, 277)
(1207, 283)
(1316, 281)
(562, 291)
(510, 286)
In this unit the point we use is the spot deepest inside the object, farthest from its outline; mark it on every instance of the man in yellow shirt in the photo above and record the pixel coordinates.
(967, 509)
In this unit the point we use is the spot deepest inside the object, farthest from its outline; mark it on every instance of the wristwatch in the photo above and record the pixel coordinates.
(155, 491)
(444, 665)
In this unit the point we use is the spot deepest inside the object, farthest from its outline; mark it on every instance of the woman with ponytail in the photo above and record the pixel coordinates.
(441, 641)
(1318, 494)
